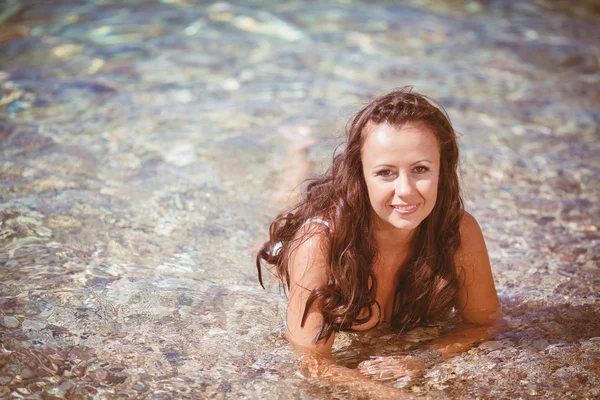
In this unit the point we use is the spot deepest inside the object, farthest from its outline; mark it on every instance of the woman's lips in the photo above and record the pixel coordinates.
(405, 209)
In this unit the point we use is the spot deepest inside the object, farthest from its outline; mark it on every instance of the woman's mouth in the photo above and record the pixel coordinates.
(405, 210)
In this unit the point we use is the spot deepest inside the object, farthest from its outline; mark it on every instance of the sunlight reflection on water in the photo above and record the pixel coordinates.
(145, 147)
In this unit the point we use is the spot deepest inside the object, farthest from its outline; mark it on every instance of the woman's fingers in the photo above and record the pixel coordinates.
(389, 368)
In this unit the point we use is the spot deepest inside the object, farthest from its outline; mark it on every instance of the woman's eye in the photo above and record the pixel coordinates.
(421, 169)
(384, 173)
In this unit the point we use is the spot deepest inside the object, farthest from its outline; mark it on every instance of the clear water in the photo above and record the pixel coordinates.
(145, 146)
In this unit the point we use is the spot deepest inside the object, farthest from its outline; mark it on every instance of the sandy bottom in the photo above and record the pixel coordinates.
(144, 149)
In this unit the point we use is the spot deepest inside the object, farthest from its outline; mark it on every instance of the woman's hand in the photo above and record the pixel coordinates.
(391, 368)
(352, 380)
(463, 337)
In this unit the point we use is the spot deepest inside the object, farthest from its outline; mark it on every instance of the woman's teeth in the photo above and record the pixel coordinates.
(406, 208)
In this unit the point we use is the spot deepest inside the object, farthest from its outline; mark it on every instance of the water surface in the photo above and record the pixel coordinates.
(145, 146)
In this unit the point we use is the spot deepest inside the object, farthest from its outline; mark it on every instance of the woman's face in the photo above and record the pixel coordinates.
(401, 167)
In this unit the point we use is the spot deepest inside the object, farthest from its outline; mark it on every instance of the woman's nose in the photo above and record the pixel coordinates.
(404, 186)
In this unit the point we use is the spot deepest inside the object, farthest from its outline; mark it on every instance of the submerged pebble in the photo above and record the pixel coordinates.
(141, 145)
(9, 322)
(15, 107)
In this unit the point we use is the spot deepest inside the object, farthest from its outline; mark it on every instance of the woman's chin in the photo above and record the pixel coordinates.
(404, 224)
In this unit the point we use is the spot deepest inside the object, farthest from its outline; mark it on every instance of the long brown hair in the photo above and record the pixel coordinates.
(428, 285)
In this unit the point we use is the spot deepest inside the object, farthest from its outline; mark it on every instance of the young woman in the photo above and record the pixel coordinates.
(382, 236)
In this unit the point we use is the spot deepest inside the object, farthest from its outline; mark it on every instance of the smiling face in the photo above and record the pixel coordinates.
(401, 167)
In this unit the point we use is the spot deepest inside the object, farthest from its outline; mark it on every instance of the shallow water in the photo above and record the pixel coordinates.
(145, 146)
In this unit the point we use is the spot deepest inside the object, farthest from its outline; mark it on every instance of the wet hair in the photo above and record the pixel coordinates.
(428, 285)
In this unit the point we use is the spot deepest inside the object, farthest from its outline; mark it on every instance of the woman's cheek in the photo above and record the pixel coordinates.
(428, 188)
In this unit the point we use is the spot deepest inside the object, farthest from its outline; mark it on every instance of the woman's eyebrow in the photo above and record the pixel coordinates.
(384, 165)
(393, 166)
(416, 162)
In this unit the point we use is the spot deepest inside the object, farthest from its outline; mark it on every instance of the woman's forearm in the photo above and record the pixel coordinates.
(464, 337)
(325, 370)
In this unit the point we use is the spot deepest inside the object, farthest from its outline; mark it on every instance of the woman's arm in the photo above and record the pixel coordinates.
(477, 299)
(308, 270)
(318, 367)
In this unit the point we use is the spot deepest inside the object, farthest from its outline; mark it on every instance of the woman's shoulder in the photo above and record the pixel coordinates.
(477, 297)
(308, 256)
(468, 223)
(312, 237)
(472, 242)
(316, 228)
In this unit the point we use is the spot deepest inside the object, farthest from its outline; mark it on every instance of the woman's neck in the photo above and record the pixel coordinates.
(393, 247)
(388, 237)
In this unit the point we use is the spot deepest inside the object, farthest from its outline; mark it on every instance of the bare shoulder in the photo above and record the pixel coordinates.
(469, 226)
(471, 237)
(308, 256)
(477, 298)
(308, 271)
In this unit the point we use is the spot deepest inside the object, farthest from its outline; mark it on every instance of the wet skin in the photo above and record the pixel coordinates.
(401, 167)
